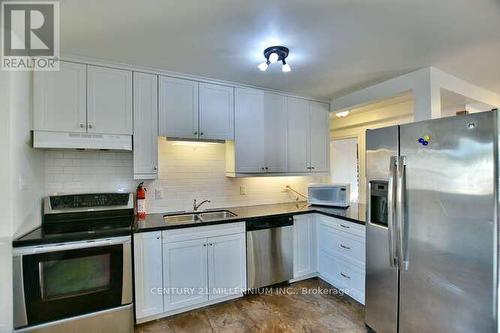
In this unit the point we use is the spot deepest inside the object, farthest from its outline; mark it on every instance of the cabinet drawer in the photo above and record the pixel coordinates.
(206, 231)
(347, 277)
(342, 225)
(337, 243)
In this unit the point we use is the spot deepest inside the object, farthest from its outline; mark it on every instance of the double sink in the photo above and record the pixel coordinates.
(207, 216)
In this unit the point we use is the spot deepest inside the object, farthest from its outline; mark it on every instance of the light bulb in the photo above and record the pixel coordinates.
(286, 68)
(263, 66)
(273, 58)
(342, 114)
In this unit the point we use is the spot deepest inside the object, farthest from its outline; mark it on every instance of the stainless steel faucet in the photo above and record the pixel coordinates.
(196, 206)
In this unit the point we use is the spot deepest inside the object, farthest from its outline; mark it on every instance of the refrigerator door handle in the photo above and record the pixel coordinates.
(402, 228)
(390, 211)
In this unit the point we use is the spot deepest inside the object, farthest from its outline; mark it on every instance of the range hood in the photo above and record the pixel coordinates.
(64, 140)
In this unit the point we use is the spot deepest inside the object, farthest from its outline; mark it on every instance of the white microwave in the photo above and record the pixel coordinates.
(336, 195)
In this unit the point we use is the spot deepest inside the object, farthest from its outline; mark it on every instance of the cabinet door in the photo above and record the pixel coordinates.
(178, 114)
(216, 112)
(304, 246)
(275, 132)
(320, 137)
(109, 100)
(145, 126)
(297, 134)
(148, 274)
(226, 265)
(185, 274)
(249, 131)
(60, 100)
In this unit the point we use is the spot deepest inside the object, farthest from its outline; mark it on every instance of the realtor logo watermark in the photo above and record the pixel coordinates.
(30, 35)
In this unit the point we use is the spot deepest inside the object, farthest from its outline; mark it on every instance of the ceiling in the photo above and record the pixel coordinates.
(336, 46)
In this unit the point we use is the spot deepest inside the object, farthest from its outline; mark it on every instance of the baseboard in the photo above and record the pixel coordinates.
(305, 277)
(187, 308)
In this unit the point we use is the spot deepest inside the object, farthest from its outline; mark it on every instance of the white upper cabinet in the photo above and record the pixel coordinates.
(260, 132)
(298, 135)
(178, 114)
(193, 110)
(278, 135)
(275, 132)
(216, 112)
(145, 126)
(307, 136)
(249, 138)
(60, 100)
(109, 100)
(320, 137)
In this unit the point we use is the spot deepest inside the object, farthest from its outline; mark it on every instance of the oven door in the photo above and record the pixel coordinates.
(62, 281)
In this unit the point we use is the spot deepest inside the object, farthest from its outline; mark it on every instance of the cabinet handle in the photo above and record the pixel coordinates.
(204, 245)
(263, 168)
(90, 125)
(155, 168)
(312, 167)
(157, 237)
(195, 133)
(82, 125)
(345, 247)
(344, 226)
(267, 168)
(201, 133)
(345, 275)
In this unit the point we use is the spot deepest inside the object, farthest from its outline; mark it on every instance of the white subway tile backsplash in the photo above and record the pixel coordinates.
(185, 173)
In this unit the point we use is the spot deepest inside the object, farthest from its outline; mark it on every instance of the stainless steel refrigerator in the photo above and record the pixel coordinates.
(432, 243)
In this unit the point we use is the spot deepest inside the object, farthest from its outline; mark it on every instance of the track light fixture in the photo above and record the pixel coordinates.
(274, 54)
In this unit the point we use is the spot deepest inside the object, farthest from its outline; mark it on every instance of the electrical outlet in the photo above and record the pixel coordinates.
(158, 194)
(243, 190)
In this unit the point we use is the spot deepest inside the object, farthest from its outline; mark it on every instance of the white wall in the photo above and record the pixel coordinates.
(5, 208)
(186, 172)
(21, 177)
(344, 164)
(27, 173)
(5, 204)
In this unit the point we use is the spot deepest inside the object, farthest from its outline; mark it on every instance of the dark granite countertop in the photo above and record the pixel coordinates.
(354, 213)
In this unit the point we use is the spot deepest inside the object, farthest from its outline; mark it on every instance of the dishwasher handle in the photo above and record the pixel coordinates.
(269, 223)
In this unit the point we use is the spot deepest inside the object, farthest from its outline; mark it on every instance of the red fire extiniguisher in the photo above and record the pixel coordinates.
(141, 201)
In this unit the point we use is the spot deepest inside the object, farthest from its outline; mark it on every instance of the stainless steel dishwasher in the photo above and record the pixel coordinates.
(269, 251)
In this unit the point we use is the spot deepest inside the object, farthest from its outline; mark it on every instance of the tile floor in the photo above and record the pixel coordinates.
(276, 312)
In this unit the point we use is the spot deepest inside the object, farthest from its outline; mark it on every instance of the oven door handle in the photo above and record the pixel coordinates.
(70, 246)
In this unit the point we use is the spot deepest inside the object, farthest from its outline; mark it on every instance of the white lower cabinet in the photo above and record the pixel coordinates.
(147, 275)
(226, 265)
(345, 276)
(341, 255)
(304, 246)
(183, 269)
(331, 248)
(185, 273)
